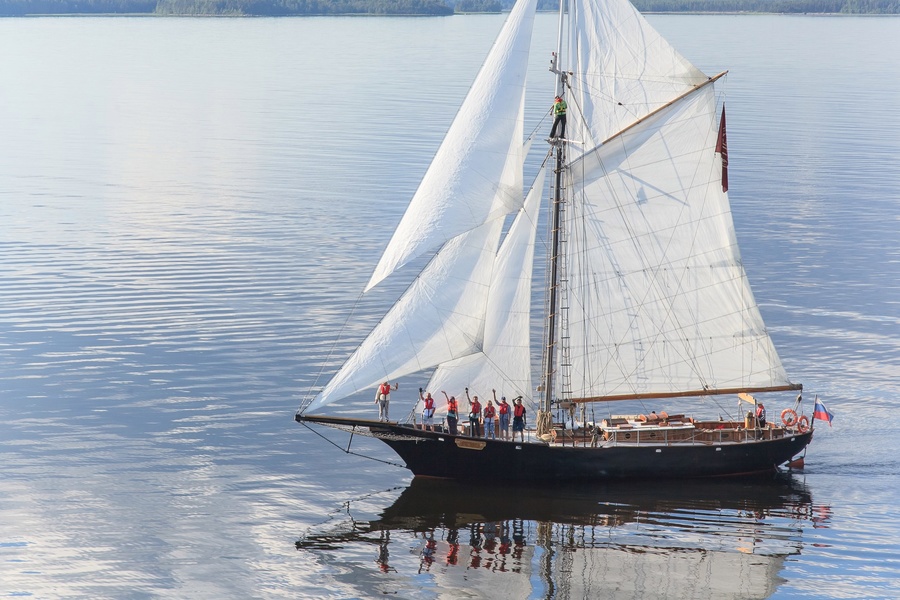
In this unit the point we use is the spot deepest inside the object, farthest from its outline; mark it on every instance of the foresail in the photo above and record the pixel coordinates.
(439, 318)
(504, 364)
(658, 300)
(622, 69)
(465, 185)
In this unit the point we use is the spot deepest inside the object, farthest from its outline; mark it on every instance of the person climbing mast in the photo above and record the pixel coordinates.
(559, 111)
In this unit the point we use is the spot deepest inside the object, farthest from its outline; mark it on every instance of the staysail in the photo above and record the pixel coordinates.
(504, 362)
(442, 316)
(465, 185)
(439, 318)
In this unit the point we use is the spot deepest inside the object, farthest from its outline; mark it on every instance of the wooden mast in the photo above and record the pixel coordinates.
(553, 284)
(556, 67)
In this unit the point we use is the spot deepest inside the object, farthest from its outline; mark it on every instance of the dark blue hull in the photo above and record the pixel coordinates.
(442, 455)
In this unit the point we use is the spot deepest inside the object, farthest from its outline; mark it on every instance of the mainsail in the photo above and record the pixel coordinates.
(622, 69)
(466, 186)
(656, 301)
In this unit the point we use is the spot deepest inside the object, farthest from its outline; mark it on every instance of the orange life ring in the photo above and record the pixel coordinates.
(789, 417)
(803, 424)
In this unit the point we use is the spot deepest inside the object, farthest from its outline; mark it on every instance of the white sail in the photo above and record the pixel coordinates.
(443, 315)
(504, 363)
(655, 299)
(622, 69)
(464, 187)
(658, 300)
(439, 318)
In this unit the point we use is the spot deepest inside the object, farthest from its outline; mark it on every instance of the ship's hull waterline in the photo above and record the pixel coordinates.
(438, 454)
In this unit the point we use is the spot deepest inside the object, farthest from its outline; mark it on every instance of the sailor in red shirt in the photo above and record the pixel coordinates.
(474, 415)
(427, 411)
(519, 419)
(452, 412)
(503, 410)
(383, 399)
(489, 413)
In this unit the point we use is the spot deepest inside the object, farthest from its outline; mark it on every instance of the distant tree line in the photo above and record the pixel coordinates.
(268, 8)
(478, 6)
(277, 8)
(16, 8)
(852, 7)
(417, 7)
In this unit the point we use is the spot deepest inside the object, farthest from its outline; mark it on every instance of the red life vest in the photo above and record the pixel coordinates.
(504, 408)
(489, 412)
(384, 389)
(429, 403)
(452, 407)
(519, 410)
(476, 407)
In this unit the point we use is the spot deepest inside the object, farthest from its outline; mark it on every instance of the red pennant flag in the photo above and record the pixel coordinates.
(722, 148)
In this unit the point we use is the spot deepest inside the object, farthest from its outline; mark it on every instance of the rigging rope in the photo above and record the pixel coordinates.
(348, 451)
(309, 395)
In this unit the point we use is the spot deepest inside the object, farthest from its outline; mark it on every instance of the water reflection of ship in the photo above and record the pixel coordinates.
(717, 539)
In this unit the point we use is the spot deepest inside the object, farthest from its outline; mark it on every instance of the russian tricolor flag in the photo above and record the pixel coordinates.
(822, 413)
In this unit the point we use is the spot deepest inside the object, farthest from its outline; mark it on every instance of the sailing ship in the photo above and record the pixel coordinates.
(646, 296)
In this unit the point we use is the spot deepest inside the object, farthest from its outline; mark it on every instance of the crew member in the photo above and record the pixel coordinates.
(761, 414)
(474, 415)
(428, 411)
(452, 412)
(489, 413)
(519, 419)
(383, 399)
(503, 411)
(559, 112)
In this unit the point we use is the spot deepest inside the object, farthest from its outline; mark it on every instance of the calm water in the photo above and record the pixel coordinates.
(188, 210)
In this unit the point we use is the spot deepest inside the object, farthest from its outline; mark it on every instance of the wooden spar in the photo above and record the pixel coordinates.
(720, 392)
(699, 86)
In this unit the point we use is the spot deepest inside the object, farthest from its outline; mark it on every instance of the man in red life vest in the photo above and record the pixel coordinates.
(383, 399)
(519, 419)
(503, 410)
(452, 412)
(503, 416)
(428, 411)
(489, 413)
(474, 415)
(761, 414)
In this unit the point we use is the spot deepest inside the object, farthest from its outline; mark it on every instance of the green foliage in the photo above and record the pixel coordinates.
(226, 7)
(274, 8)
(18, 8)
(476, 6)
(772, 6)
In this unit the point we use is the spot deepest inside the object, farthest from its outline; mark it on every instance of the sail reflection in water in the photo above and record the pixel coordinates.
(702, 539)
